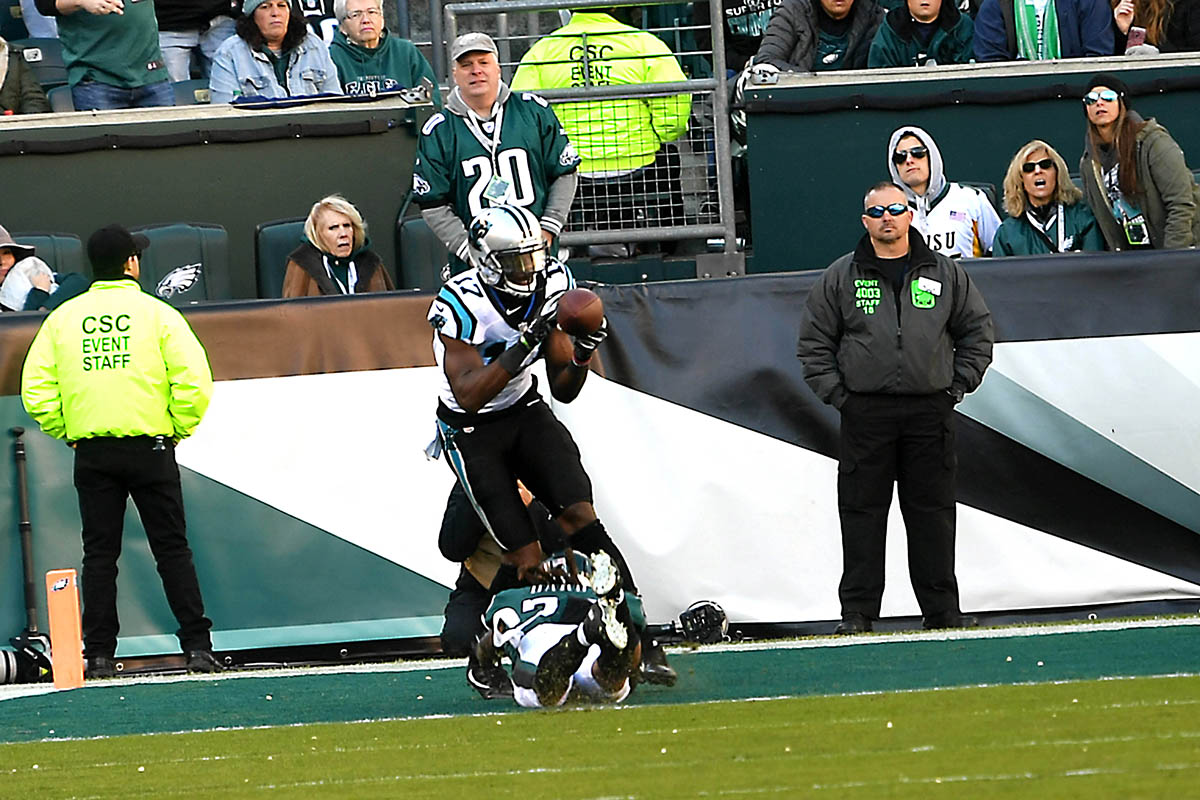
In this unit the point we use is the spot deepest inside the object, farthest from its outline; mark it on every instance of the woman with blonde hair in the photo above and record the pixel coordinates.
(1044, 212)
(336, 256)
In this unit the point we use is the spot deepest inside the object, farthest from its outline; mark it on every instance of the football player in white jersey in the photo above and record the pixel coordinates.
(491, 324)
(955, 220)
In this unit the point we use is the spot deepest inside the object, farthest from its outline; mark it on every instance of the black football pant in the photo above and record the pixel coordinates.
(107, 472)
(908, 441)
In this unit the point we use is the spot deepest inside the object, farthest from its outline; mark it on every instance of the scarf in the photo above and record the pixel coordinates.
(1037, 33)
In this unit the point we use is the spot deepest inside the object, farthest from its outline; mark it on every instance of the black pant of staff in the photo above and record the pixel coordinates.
(907, 441)
(107, 472)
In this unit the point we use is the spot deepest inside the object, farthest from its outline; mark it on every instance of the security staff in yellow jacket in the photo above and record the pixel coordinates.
(121, 377)
(623, 142)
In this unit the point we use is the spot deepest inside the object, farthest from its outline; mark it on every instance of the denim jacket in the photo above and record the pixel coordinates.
(239, 71)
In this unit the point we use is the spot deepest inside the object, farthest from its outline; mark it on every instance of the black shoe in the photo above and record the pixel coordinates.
(490, 680)
(203, 661)
(655, 668)
(100, 667)
(853, 622)
(949, 619)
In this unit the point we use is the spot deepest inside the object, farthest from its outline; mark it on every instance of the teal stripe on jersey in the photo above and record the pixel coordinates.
(465, 319)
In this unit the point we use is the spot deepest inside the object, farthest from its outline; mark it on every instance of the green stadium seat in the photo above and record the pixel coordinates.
(420, 253)
(45, 58)
(60, 99)
(273, 242)
(186, 263)
(192, 93)
(62, 251)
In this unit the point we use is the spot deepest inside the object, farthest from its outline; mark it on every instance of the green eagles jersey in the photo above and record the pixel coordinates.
(456, 166)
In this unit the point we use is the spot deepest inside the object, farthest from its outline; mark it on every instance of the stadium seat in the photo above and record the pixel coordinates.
(191, 93)
(420, 253)
(273, 242)
(60, 99)
(62, 251)
(12, 28)
(989, 189)
(45, 58)
(186, 263)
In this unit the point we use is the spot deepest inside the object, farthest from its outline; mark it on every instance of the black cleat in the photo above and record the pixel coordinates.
(100, 667)
(949, 619)
(203, 661)
(655, 668)
(853, 622)
(490, 680)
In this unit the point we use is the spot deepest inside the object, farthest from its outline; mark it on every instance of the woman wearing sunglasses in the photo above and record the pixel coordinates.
(1044, 213)
(1135, 177)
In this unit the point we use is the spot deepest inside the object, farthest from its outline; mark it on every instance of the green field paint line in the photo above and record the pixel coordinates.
(119, 708)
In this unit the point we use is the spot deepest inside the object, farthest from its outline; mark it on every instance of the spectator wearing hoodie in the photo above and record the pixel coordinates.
(1135, 177)
(922, 33)
(820, 35)
(369, 59)
(956, 220)
(1040, 30)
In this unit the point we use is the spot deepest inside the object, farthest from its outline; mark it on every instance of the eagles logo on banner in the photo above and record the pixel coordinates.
(179, 280)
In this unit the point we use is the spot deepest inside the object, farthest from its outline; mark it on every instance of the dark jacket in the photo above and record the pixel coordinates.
(896, 43)
(1170, 199)
(20, 92)
(790, 42)
(745, 22)
(851, 339)
(1085, 29)
(307, 277)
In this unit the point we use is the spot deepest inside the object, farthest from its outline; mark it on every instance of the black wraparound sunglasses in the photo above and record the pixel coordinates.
(1046, 164)
(900, 156)
(876, 212)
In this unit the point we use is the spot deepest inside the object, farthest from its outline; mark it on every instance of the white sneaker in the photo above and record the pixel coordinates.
(606, 576)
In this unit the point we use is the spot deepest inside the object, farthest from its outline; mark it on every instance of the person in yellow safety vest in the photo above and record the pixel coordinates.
(121, 377)
(621, 141)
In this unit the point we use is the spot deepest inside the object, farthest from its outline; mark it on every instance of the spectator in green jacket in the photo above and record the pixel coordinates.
(20, 93)
(630, 173)
(922, 33)
(1045, 214)
(371, 60)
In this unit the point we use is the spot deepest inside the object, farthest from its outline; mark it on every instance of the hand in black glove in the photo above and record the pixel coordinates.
(585, 346)
(541, 327)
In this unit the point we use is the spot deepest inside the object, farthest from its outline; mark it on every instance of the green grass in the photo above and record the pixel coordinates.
(1126, 738)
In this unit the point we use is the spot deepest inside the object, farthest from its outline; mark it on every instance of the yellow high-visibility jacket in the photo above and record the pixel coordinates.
(116, 361)
(595, 50)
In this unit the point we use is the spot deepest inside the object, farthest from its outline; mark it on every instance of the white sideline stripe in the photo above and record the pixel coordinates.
(10, 692)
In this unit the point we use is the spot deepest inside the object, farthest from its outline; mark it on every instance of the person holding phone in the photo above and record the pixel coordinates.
(1146, 27)
(1135, 177)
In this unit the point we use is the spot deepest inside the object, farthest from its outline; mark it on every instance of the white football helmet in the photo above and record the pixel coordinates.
(506, 244)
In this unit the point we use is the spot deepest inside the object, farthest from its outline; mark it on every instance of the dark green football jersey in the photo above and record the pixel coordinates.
(456, 165)
(515, 613)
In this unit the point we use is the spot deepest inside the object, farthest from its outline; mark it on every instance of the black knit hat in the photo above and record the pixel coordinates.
(1112, 82)
(110, 247)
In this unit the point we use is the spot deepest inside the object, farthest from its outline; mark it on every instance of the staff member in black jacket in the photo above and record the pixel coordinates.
(894, 335)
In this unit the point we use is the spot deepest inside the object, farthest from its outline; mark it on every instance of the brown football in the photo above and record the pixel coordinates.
(580, 312)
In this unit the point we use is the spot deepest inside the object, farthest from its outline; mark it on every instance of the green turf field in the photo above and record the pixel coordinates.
(1096, 712)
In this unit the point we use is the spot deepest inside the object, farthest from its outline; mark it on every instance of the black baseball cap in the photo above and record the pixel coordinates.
(110, 247)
